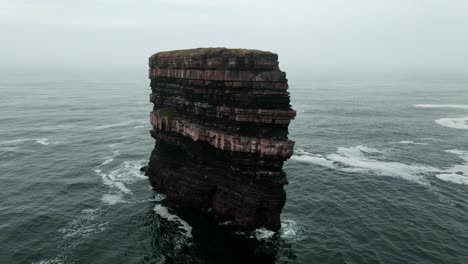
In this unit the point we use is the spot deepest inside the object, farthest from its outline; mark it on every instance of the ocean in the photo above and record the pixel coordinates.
(379, 174)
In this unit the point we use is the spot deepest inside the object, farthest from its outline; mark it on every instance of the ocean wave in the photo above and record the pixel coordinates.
(290, 230)
(120, 124)
(164, 213)
(459, 173)
(440, 106)
(113, 199)
(42, 141)
(15, 142)
(457, 123)
(409, 142)
(109, 159)
(83, 226)
(56, 260)
(451, 122)
(356, 159)
(116, 179)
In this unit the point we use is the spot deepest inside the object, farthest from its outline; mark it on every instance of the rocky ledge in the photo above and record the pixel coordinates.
(220, 121)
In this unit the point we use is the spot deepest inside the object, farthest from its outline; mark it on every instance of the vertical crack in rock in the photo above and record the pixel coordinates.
(220, 121)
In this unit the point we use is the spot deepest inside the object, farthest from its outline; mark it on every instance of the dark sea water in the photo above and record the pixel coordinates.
(379, 175)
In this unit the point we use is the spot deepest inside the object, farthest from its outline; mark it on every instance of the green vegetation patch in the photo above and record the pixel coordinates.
(166, 112)
(211, 52)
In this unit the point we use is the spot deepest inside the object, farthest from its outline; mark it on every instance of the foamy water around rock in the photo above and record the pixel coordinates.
(373, 177)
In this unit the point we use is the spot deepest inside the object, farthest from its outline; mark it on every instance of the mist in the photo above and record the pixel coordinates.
(336, 35)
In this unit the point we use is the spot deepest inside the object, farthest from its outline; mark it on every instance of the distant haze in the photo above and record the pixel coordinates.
(325, 34)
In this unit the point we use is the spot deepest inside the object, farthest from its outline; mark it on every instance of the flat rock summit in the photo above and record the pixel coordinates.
(220, 121)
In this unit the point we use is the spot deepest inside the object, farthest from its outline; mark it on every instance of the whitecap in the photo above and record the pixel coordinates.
(112, 182)
(42, 141)
(140, 126)
(110, 158)
(113, 199)
(126, 173)
(107, 161)
(457, 123)
(164, 213)
(263, 234)
(84, 225)
(14, 142)
(411, 142)
(358, 159)
(120, 124)
(440, 106)
(458, 173)
(56, 260)
(290, 230)
(453, 178)
(159, 197)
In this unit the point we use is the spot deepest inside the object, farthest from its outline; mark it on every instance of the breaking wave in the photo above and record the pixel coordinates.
(409, 142)
(164, 213)
(459, 173)
(42, 141)
(362, 159)
(85, 225)
(126, 173)
(457, 123)
(121, 124)
(440, 106)
(15, 142)
(290, 230)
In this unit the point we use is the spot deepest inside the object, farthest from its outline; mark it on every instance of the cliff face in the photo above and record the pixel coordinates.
(220, 121)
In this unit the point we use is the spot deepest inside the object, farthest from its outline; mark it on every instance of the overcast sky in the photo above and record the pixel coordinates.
(317, 34)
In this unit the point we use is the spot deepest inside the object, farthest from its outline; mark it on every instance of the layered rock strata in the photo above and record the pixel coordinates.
(220, 121)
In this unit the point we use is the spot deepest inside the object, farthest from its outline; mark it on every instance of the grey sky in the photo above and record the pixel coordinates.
(325, 34)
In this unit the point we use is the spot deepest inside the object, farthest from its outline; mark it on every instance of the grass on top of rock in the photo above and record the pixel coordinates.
(166, 112)
(211, 52)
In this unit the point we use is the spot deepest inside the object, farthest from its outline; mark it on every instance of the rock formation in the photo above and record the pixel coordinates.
(220, 121)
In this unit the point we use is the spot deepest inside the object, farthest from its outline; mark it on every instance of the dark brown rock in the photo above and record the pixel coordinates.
(220, 121)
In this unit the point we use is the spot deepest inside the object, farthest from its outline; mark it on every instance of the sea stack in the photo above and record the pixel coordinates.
(220, 121)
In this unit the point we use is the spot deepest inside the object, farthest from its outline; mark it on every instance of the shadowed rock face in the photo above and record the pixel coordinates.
(220, 121)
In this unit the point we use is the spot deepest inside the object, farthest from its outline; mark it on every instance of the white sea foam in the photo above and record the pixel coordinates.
(164, 213)
(289, 230)
(411, 142)
(459, 173)
(457, 123)
(84, 225)
(56, 260)
(356, 159)
(440, 106)
(113, 199)
(139, 126)
(126, 173)
(263, 234)
(13, 142)
(453, 178)
(42, 141)
(301, 108)
(110, 158)
(120, 124)
(159, 197)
